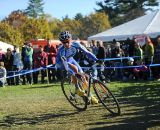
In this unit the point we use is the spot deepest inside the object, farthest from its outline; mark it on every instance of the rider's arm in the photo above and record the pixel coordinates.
(82, 48)
(59, 63)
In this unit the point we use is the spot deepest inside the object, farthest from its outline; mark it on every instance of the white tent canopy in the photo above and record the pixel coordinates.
(4, 46)
(145, 25)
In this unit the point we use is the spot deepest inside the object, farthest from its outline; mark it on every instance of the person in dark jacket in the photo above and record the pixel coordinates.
(101, 50)
(8, 63)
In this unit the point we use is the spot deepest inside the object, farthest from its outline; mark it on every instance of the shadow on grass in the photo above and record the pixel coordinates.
(43, 86)
(140, 105)
(18, 119)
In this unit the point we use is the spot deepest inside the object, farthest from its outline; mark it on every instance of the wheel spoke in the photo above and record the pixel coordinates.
(106, 97)
(69, 90)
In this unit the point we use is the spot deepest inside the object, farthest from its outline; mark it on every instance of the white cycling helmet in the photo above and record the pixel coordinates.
(63, 36)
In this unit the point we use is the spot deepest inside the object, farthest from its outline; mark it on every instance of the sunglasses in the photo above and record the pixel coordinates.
(65, 42)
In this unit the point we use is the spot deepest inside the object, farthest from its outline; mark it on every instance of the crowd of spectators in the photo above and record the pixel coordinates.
(136, 66)
(16, 63)
(131, 60)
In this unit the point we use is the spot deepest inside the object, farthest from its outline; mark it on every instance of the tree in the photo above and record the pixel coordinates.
(93, 24)
(120, 11)
(71, 25)
(78, 16)
(54, 26)
(82, 27)
(36, 29)
(16, 18)
(10, 35)
(35, 8)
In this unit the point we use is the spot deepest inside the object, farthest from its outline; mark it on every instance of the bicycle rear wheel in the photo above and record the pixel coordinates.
(69, 90)
(106, 97)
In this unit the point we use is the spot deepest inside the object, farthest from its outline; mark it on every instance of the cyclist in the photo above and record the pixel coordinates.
(65, 60)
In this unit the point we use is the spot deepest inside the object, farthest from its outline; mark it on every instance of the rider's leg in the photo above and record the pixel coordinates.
(74, 70)
(80, 92)
(77, 69)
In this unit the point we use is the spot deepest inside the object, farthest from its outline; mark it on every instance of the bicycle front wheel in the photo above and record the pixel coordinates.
(69, 90)
(106, 97)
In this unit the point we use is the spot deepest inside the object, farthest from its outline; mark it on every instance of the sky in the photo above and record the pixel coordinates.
(56, 8)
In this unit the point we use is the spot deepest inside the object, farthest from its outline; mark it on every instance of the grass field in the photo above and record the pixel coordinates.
(45, 107)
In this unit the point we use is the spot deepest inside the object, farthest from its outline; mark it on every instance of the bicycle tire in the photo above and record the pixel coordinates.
(68, 89)
(106, 97)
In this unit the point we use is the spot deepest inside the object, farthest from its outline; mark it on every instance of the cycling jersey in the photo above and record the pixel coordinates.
(68, 53)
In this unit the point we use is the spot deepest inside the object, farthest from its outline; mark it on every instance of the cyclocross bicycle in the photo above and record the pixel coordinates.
(101, 90)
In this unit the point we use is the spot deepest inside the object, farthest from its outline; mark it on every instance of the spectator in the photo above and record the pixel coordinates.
(101, 50)
(141, 72)
(2, 56)
(138, 52)
(94, 47)
(84, 61)
(17, 63)
(2, 74)
(149, 51)
(8, 63)
(101, 72)
(79, 54)
(40, 60)
(148, 54)
(23, 62)
(108, 63)
(128, 73)
(157, 51)
(108, 51)
(130, 47)
(51, 52)
(23, 51)
(117, 52)
(27, 61)
(157, 59)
